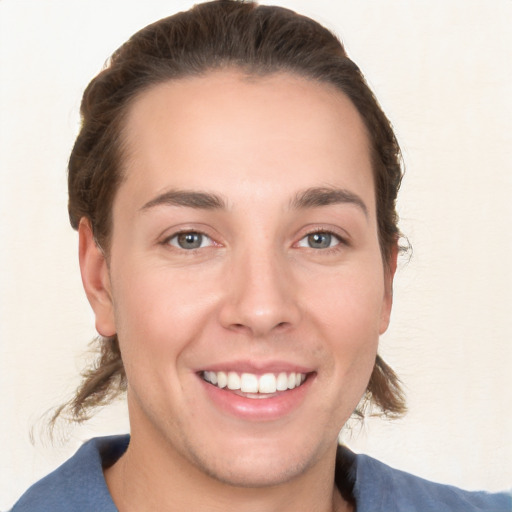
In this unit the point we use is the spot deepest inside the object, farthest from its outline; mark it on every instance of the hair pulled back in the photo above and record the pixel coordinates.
(258, 40)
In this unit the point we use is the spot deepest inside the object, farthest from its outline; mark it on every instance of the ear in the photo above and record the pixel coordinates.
(389, 274)
(96, 279)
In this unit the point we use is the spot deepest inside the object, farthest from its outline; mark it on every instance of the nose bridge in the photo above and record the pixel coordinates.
(260, 294)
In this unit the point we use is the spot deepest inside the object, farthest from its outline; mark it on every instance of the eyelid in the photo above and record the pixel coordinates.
(339, 234)
(166, 239)
(202, 235)
(304, 241)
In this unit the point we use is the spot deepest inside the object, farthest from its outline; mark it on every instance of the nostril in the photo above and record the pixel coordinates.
(239, 327)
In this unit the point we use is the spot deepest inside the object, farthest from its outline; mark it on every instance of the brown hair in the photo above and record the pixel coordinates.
(225, 33)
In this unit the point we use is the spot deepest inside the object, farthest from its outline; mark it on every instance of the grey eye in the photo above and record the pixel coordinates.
(190, 240)
(319, 240)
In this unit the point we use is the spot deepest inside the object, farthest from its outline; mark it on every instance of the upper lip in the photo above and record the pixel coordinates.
(257, 367)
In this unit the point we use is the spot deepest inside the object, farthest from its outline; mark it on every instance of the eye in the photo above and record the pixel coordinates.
(190, 240)
(319, 240)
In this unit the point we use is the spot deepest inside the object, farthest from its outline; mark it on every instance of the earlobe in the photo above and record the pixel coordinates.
(389, 274)
(96, 279)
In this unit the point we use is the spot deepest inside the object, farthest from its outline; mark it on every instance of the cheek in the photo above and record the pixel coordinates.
(345, 312)
(158, 314)
(350, 301)
(346, 309)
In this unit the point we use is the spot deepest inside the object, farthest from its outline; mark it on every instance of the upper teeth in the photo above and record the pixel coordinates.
(252, 383)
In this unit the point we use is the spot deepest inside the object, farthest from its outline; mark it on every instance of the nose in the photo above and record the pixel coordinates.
(260, 297)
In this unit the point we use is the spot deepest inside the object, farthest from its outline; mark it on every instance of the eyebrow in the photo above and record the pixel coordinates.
(187, 198)
(310, 198)
(325, 196)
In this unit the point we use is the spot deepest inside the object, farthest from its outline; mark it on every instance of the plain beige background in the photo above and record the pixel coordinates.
(442, 71)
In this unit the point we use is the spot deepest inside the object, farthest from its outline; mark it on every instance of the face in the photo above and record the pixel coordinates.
(245, 280)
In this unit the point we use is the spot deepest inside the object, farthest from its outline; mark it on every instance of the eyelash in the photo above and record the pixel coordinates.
(167, 241)
(341, 241)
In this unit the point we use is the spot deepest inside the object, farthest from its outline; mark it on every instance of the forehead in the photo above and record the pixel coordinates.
(225, 127)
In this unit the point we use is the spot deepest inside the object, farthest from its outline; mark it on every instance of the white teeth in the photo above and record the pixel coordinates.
(268, 383)
(222, 379)
(249, 383)
(282, 382)
(211, 377)
(233, 380)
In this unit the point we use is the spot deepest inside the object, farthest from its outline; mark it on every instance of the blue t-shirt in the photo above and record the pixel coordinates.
(79, 486)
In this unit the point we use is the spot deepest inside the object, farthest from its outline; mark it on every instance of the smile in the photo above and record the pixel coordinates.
(265, 384)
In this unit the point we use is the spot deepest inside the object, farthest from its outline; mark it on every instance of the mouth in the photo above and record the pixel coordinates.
(251, 385)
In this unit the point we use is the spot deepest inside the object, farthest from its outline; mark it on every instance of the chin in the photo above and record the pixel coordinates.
(257, 464)
(254, 472)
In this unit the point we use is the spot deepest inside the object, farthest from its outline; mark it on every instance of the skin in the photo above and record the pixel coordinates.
(255, 290)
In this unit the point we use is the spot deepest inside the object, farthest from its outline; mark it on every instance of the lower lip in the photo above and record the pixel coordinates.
(258, 409)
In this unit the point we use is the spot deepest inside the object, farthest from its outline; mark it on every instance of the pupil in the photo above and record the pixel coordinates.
(319, 240)
(190, 240)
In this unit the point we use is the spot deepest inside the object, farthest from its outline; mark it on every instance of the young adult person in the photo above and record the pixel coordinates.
(234, 185)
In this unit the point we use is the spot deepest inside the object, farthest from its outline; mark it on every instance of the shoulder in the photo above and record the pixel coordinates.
(78, 484)
(377, 486)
